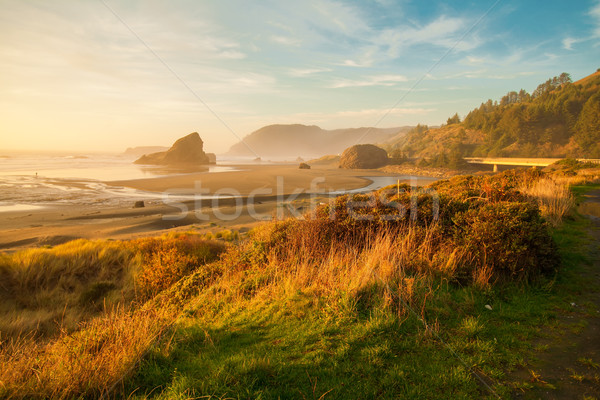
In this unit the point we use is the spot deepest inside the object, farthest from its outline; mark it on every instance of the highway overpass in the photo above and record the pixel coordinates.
(521, 162)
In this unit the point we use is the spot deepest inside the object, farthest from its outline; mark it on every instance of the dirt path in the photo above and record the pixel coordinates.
(570, 368)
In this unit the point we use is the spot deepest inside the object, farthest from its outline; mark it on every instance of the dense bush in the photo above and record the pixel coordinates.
(484, 217)
(166, 261)
(510, 238)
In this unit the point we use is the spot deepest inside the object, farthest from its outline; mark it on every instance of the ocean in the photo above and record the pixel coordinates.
(30, 181)
(34, 181)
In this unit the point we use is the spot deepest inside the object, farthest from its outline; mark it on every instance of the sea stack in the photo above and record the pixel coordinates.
(187, 151)
(363, 156)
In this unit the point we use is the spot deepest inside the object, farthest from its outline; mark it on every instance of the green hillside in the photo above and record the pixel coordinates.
(559, 119)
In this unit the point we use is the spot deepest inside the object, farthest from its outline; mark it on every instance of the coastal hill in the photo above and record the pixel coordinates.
(302, 140)
(189, 150)
(558, 119)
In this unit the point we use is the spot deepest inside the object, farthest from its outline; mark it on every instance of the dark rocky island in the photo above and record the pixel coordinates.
(363, 156)
(187, 151)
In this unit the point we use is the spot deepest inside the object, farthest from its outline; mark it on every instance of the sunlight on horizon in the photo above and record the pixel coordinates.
(76, 79)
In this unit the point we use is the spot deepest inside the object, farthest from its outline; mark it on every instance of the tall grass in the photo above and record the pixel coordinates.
(45, 290)
(108, 333)
(554, 198)
(86, 363)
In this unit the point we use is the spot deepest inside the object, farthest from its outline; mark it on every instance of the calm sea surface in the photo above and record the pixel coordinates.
(32, 181)
(29, 182)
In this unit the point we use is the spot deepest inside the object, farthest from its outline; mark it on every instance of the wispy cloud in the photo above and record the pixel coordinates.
(595, 14)
(443, 32)
(343, 18)
(363, 63)
(378, 111)
(569, 42)
(285, 40)
(474, 60)
(299, 72)
(376, 80)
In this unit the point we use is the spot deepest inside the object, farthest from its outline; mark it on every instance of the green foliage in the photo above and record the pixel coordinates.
(557, 111)
(58, 288)
(455, 119)
(510, 238)
(397, 156)
(419, 129)
(452, 159)
(588, 126)
(483, 216)
(560, 119)
(571, 166)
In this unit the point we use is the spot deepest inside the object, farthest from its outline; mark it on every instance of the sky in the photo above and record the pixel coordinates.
(104, 75)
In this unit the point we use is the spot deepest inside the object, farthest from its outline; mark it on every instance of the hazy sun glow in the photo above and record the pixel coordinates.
(75, 76)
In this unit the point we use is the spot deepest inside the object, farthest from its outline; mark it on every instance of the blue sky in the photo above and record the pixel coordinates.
(73, 75)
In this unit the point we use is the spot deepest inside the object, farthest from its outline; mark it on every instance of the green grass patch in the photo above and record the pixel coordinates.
(294, 349)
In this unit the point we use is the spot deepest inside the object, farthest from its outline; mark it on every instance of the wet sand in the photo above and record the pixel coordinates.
(265, 192)
(254, 178)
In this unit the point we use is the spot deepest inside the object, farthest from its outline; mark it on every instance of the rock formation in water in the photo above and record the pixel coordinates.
(187, 151)
(363, 156)
(212, 158)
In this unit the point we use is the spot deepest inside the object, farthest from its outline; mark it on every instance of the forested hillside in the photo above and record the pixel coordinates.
(559, 119)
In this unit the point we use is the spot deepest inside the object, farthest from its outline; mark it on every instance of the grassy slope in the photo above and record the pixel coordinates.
(292, 350)
(306, 346)
(439, 140)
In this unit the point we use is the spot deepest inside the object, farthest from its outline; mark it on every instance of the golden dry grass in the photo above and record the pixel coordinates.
(397, 264)
(45, 290)
(86, 363)
(101, 344)
(48, 290)
(553, 197)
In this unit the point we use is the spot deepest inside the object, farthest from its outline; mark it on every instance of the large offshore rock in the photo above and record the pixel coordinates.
(363, 156)
(189, 150)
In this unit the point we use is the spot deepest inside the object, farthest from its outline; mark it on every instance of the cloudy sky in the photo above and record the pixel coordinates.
(103, 75)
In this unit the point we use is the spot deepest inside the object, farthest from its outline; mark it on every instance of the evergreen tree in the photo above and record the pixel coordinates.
(588, 127)
(455, 119)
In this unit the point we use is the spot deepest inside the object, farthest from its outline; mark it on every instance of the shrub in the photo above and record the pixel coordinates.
(163, 268)
(165, 261)
(509, 238)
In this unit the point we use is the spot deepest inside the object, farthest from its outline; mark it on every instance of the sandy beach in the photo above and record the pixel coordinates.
(254, 178)
(250, 195)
